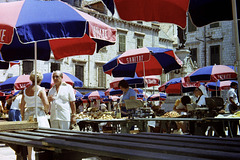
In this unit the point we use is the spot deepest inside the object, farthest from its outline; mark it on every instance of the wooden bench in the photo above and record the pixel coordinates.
(66, 144)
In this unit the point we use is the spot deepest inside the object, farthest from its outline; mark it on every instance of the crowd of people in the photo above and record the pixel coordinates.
(63, 108)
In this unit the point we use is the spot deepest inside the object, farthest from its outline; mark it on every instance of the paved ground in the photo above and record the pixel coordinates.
(6, 153)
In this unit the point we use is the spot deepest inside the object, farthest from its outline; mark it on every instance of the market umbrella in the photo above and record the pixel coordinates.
(94, 95)
(5, 64)
(47, 81)
(78, 95)
(54, 25)
(136, 82)
(202, 12)
(143, 61)
(177, 86)
(30, 29)
(119, 92)
(157, 96)
(211, 74)
(16, 82)
(220, 85)
(111, 98)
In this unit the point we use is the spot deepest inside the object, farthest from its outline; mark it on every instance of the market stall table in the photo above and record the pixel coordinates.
(220, 123)
(65, 144)
(125, 125)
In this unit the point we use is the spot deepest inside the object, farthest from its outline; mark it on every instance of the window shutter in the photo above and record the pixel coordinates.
(55, 66)
(27, 67)
(122, 43)
(79, 72)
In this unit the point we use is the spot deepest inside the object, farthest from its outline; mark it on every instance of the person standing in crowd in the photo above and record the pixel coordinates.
(128, 93)
(14, 113)
(62, 98)
(232, 106)
(232, 99)
(28, 100)
(201, 93)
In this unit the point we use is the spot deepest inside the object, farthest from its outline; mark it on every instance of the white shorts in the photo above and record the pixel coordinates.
(60, 124)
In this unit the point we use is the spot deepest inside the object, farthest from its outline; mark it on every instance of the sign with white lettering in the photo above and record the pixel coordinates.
(108, 34)
(6, 34)
(134, 59)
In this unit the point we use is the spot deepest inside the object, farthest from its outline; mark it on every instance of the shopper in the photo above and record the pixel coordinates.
(62, 99)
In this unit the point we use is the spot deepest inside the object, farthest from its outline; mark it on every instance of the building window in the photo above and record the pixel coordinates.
(139, 22)
(122, 43)
(55, 67)
(193, 54)
(101, 76)
(191, 27)
(139, 42)
(215, 54)
(214, 25)
(79, 72)
(27, 67)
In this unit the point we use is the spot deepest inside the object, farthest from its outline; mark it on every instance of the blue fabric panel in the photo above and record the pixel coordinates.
(39, 20)
(111, 64)
(77, 82)
(18, 51)
(8, 84)
(110, 5)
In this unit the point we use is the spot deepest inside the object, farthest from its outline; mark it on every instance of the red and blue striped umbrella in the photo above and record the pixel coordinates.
(23, 81)
(54, 25)
(47, 81)
(136, 82)
(111, 98)
(119, 92)
(94, 95)
(16, 82)
(78, 95)
(177, 86)
(219, 85)
(157, 96)
(144, 62)
(211, 74)
(202, 12)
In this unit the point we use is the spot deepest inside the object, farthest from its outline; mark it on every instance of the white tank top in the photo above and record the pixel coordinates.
(30, 100)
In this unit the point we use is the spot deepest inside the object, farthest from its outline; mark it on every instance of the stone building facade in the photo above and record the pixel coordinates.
(212, 44)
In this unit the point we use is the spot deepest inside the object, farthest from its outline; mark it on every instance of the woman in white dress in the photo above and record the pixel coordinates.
(28, 100)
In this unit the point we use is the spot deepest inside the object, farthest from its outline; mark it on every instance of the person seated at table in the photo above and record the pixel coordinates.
(201, 93)
(180, 106)
(128, 93)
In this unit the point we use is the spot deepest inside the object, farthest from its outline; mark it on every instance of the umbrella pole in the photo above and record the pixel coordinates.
(35, 64)
(216, 88)
(144, 80)
(235, 23)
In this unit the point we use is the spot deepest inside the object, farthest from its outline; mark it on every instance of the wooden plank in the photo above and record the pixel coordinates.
(152, 140)
(95, 149)
(160, 148)
(192, 136)
(17, 125)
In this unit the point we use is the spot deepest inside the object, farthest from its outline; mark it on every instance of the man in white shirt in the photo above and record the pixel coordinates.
(62, 99)
(232, 98)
